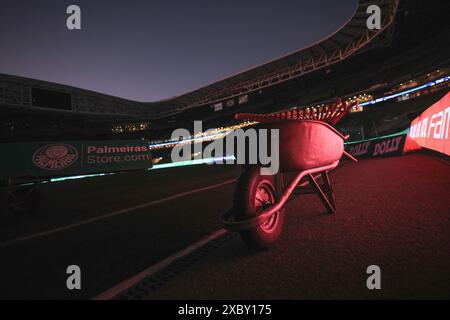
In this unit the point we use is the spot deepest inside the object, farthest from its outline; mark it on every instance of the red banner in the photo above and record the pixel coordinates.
(430, 129)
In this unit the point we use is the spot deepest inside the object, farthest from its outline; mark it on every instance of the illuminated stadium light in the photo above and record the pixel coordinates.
(155, 167)
(208, 135)
(195, 139)
(131, 127)
(192, 162)
(378, 138)
(81, 177)
(398, 94)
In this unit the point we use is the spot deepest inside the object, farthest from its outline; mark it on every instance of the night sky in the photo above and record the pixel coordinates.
(149, 50)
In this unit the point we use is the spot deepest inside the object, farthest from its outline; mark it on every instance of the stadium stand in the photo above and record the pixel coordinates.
(386, 118)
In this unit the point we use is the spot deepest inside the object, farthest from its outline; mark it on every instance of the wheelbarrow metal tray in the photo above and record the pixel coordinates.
(307, 144)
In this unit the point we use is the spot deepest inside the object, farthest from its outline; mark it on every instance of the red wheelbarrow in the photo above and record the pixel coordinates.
(308, 147)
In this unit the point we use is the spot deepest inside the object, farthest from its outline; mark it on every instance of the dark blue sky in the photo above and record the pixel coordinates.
(150, 50)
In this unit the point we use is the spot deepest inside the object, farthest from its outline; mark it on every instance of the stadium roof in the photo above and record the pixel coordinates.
(352, 37)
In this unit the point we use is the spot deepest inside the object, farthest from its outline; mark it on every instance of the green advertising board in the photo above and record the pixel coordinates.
(49, 159)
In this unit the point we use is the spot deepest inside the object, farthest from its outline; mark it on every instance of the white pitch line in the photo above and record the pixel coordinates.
(111, 214)
(128, 283)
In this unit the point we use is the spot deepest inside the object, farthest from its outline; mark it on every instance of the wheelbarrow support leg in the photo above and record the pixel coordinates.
(329, 190)
(325, 192)
(279, 184)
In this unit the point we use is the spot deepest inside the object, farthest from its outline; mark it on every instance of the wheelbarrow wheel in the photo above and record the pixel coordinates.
(254, 192)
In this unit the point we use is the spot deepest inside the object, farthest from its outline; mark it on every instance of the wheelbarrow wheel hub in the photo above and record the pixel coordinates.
(264, 198)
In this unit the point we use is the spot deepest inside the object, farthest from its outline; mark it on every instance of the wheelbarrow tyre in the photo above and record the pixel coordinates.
(251, 188)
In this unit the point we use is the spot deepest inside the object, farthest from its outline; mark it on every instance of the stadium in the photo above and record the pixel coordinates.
(162, 217)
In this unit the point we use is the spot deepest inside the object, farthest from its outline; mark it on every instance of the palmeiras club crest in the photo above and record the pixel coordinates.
(55, 156)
